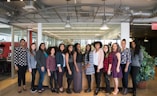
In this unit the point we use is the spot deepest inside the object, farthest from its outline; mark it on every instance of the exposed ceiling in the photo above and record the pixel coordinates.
(86, 16)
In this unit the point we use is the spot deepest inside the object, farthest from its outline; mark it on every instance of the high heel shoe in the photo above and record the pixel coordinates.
(115, 93)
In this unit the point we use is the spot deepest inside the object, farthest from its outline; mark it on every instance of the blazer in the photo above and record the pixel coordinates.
(41, 59)
(100, 58)
(59, 59)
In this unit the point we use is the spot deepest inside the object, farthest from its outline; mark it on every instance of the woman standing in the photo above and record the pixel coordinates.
(41, 57)
(60, 60)
(51, 68)
(116, 69)
(89, 67)
(32, 65)
(136, 61)
(98, 55)
(107, 67)
(70, 67)
(20, 61)
(78, 59)
(125, 65)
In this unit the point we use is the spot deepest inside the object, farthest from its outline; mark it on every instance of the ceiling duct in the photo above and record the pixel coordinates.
(30, 7)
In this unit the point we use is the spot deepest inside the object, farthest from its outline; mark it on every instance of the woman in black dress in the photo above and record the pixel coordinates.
(70, 66)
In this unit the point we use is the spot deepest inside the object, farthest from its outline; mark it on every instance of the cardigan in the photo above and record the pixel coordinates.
(100, 58)
(31, 60)
(41, 59)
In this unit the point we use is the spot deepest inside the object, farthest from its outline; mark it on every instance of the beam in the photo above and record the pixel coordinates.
(95, 14)
(58, 15)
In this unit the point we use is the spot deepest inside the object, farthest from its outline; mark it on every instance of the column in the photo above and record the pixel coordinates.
(39, 34)
(125, 33)
(12, 53)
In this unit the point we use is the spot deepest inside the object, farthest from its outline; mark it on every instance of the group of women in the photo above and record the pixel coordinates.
(111, 61)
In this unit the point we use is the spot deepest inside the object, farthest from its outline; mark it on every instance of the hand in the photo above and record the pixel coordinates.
(98, 70)
(109, 72)
(42, 69)
(30, 70)
(77, 70)
(60, 69)
(118, 70)
(16, 68)
(69, 71)
(126, 69)
(49, 74)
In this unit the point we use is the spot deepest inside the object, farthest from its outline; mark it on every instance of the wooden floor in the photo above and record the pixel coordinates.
(9, 88)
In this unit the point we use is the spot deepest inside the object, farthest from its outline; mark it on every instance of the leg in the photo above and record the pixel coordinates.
(51, 80)
(134, 72)
(116, 90)
(33, 78)
(19, 79)
(24, 77)
(89, 83)
(107, 82)
(41, 78)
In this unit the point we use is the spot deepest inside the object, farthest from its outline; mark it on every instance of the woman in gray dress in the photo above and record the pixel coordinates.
(89, 66)
(78, 59)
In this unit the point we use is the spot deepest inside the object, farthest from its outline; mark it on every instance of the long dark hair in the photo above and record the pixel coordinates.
(67, 50)
(87, 52)
(137, 47)
(40, 47)
(108, 51)
(31, 51)
(75, 47)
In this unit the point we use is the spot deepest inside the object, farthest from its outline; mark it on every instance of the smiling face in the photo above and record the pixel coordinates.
(33, 46)
(43, 46)
(22, 43)
(133, 45)
(88, 48)
(52, 51)
(114, 47)
(123, 44)
(78, 47)
(97, 46)
(70, 48)
(62, 47)
(105, 49)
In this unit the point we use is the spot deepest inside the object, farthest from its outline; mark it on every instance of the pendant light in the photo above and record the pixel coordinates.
(67, 25)
(104, 26)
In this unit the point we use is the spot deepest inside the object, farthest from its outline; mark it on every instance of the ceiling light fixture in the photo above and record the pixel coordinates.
(8, 0)
(104, 26)
(67, 25)
(21, 0)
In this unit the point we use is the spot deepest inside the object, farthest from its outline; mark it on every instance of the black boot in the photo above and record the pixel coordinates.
(88, 90)
(96, 91)
(125, 91)
(68, 91)
(134, 93)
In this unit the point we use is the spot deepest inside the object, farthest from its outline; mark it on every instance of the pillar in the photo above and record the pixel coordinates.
(39, 34)
(12, 53)
(125, 33)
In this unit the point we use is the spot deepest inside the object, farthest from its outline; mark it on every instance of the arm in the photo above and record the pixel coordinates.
(119, 60)
(48, 66)
(29, 61)
(75, 64)
(110, 64)
(140, 56)
(58, 61)
(101, 56)
(128, 60)
(16, 58)
(67, 63)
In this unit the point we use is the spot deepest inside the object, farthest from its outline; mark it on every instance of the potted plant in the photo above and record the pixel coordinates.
(147, 70)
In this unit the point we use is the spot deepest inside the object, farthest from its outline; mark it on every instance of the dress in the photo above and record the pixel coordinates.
(78, 75)
(114, 66)
(71, 65)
